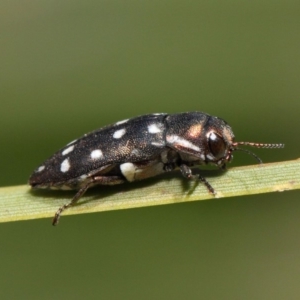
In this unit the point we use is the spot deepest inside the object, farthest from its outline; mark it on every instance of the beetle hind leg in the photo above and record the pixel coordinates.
(95, 180)
(187, 173)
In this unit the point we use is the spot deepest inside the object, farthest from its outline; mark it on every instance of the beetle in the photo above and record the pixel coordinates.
(139, 148)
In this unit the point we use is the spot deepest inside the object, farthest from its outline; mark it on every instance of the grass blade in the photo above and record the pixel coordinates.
(20, 203)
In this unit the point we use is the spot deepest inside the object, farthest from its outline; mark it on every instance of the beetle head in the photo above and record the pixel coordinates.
(221, 144)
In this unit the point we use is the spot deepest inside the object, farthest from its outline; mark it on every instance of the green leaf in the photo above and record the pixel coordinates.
(21, 203)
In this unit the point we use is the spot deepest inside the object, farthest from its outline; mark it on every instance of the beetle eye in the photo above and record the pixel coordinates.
(216, 145)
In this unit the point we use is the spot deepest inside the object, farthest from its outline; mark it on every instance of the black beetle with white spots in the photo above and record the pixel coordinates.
(140, 148)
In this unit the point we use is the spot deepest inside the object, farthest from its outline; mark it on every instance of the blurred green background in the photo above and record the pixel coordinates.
(73, 66)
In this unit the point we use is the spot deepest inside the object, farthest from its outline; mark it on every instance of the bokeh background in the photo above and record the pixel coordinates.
(69, 67)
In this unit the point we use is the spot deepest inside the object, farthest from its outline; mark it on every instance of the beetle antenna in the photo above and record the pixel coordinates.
(256, 145)
(251, 153)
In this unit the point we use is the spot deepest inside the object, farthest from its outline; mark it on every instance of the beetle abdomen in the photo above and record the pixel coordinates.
(133, 140)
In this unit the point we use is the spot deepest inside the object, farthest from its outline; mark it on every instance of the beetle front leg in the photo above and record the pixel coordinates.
(187, 173)
(101, 180)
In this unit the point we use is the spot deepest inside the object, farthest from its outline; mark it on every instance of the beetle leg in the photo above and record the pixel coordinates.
(187, 173)
(95, 180)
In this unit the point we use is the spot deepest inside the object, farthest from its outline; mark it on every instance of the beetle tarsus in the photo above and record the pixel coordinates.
(78, 195)
(187, 173)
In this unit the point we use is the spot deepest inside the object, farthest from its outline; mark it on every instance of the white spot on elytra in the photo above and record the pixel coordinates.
(40, 169)
(154, 128)
(96, 154)
(122, 122)
(71, 142)
(128, 170)
(84, 176)
(68, 150)
(119, 133)
(65, 165)
(175, 139)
